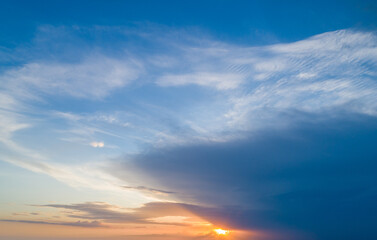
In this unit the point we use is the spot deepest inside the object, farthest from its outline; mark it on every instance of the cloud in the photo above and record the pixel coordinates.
(315, 178)
(90, 224)
(149, 213)
(94, 77)
(221, 81)
(241, 88)
(149, 190)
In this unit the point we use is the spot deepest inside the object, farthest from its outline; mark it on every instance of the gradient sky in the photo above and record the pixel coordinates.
(165, 120)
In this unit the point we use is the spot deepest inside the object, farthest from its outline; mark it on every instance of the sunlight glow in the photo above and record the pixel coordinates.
(220, 231)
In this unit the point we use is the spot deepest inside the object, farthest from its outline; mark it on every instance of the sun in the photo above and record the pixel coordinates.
(220, 231)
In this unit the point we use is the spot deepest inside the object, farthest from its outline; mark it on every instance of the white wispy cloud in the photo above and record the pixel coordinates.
(248, 88)
(220, 81)
(94, 77)
(331, 70)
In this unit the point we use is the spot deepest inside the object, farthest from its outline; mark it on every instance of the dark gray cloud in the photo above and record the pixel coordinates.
(100, 212)
(314, 180)
(96, 210)
(123, 237)
(74, 224)
(149, 190)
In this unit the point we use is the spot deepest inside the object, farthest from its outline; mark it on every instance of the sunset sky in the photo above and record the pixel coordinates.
(183, 120)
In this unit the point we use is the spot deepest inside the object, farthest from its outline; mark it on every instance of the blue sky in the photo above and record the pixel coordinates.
(166, 119)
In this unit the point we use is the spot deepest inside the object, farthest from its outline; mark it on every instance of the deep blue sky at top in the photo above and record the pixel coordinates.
(244, 22)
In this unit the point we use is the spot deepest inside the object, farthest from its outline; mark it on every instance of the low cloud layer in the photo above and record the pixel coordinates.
(106, 213)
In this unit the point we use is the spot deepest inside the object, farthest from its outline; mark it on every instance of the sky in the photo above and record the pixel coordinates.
(170, 120)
